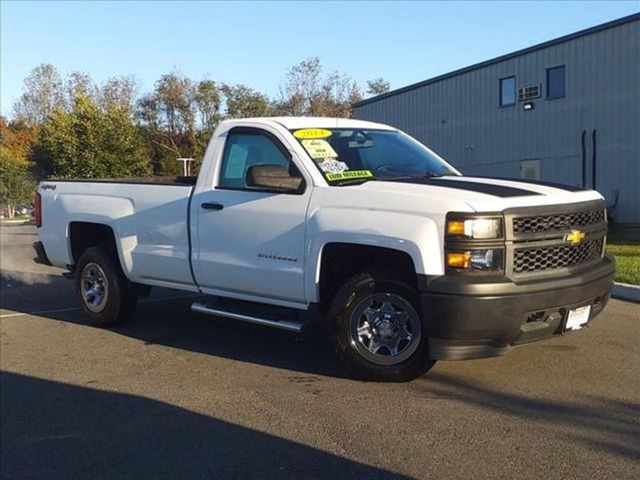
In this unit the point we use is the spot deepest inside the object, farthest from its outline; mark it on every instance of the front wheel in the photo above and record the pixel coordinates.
(376, 329)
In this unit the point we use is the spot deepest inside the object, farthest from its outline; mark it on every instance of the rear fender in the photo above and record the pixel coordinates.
(115, 213)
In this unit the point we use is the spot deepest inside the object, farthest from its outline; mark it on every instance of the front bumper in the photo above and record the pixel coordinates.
(468, 317)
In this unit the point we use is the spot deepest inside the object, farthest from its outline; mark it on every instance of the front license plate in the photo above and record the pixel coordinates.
(577, 318)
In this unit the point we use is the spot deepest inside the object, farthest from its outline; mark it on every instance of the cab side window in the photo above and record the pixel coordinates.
(246, 149)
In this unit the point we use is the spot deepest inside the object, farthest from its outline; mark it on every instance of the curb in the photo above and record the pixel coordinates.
(15, 222)
(626, 291)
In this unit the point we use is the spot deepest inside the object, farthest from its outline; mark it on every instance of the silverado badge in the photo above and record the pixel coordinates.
(575, 237)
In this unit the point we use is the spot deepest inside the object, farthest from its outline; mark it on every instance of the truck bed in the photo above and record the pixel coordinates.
(179, 180)
(148, 218)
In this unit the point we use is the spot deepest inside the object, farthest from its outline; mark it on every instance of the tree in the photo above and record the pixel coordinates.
(79, 84)
(119, 91)
(243, 102)
(16, 186)
(207, 100)
(377, 86)
(167, 117)
(90, 142)
(175, 98)
(43, 93)
(16, 183)
(306, 91)
(17, 137)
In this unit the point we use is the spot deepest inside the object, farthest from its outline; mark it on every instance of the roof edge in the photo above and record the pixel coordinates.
(549, 43)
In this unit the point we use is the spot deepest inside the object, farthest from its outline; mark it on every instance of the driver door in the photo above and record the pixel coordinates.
(250, 242)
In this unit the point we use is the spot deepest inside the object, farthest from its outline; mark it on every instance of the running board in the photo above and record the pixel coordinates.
(236, 315)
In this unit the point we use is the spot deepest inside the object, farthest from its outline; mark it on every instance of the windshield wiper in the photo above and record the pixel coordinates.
(353, 181)
(409, 177)
(360, 181)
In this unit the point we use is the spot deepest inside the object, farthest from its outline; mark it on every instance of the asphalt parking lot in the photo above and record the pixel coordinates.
(180, 395)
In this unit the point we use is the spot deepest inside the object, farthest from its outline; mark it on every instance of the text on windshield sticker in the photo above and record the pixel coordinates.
(349, 174)
(312, 133)
(319, 149)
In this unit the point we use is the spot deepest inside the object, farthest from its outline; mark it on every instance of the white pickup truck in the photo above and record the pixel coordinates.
(409, 261)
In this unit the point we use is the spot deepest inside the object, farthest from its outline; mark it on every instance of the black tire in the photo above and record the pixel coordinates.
(351, 296)
(119, 299)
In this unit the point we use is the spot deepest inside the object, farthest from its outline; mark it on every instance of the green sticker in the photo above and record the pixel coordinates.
(349, 174)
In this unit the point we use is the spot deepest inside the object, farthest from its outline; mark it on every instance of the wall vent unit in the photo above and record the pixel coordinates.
(529, 92)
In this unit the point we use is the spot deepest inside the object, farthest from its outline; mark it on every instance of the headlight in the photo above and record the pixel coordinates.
(476, 228)
(486, 260)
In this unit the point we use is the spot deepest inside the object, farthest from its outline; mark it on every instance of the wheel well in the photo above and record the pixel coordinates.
(83, 235)
(340, 261)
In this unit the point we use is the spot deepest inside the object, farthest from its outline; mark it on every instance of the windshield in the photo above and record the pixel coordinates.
(345, 155)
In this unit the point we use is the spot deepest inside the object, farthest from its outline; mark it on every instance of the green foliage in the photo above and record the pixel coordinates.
(244, 102)
(90, 142)
(174, 95)
(168, 119)
(16, 184)
(628, 270)
(307, 91)
(627, 262)
(207, 99)
(627, 250)
(79, 84)
(72, 127)
(377, 86)
(119, 92)
(43, 93)
(18, 137)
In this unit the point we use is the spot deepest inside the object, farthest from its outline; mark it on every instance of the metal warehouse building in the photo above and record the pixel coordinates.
(567, 110)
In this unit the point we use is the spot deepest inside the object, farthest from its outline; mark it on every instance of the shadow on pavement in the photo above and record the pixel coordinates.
(604, 424)
(55, 430)
(165, 320)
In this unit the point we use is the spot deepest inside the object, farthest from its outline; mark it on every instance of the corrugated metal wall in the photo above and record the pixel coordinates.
(459, 117)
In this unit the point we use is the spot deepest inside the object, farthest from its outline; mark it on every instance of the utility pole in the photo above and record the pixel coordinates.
(186, 164)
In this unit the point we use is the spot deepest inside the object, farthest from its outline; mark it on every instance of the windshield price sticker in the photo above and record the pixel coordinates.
(312, 133)
(319, 149)
(349, 174)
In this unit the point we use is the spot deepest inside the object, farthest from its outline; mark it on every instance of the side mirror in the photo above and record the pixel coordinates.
(273, 177)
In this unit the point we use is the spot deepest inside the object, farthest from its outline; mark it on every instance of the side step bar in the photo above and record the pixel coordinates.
(236, 315)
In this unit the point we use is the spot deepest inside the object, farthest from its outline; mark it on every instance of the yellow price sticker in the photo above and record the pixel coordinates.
(318, 148)
(348, 174)
(312, 133)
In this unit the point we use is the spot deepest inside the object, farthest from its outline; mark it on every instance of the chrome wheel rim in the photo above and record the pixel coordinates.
(385, 329)
(94, 287)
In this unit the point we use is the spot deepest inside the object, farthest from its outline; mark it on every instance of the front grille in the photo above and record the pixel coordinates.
(557, 222)
(537, 259)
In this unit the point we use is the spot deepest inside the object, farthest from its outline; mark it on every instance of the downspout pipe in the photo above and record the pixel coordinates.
(583, 140)
(594, 163)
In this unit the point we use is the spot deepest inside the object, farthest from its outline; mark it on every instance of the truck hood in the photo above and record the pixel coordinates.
(483, 194)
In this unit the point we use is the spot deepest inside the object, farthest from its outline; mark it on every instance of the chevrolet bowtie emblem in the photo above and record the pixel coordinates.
(575, 237)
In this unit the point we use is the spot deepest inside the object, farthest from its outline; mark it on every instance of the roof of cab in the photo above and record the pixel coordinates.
(294, 123)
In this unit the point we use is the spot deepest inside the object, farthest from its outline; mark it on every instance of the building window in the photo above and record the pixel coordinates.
(556, 82)
(507, 91)
(530, 169)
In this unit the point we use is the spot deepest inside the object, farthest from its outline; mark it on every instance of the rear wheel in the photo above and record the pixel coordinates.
(377, 330)
(105, 294)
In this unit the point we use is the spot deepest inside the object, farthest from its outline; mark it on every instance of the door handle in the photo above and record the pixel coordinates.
(212, 206)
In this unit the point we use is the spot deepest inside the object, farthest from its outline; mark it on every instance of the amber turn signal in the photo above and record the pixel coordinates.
(455, 227)
(459, 260)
